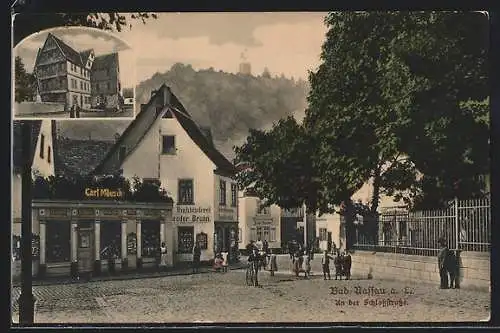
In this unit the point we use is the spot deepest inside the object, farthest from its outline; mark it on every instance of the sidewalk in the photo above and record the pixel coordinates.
(128, 275)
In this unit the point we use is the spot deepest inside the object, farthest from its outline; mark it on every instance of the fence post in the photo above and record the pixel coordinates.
(457, 226)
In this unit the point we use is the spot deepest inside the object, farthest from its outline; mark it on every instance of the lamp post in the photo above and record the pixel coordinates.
(26, 299)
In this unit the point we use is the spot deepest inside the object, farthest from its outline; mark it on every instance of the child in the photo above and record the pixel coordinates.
(225, 255)
(273, 263)
(218, 262)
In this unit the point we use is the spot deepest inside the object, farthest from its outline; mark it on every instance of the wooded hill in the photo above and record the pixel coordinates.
(229, 104)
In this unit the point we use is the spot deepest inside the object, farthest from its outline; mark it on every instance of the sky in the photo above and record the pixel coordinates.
(288, 43)
(83, 39)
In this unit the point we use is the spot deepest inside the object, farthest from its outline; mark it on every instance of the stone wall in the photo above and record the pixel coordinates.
(474, 268)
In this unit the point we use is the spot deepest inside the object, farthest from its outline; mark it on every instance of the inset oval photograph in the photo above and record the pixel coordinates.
(73, 72)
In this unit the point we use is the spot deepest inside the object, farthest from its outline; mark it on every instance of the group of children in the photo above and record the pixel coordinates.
(221, 261)
(342, 263)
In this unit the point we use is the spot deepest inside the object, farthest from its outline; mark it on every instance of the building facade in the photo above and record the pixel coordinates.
(65, 75)
(198, 177)
(258, 222)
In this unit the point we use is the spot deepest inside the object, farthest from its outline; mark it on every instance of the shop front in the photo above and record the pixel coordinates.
(192, 224)
(92, 237)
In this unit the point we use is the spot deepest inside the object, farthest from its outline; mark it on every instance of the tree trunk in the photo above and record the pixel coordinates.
(374, 207)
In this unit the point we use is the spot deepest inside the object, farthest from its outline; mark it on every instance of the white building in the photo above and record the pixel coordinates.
(258, 223)
(164, 144)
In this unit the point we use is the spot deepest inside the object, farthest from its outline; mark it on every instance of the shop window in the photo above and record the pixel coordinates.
(323, 234)
(111, 245)
(168, 145)
(185, 196)
(202, 240)
(234, 195)
(253, 233)
(185, 237)
(222, 193)
(150, 234)
(58, 244)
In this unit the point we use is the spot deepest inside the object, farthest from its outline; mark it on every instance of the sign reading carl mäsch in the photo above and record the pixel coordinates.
(103, 193)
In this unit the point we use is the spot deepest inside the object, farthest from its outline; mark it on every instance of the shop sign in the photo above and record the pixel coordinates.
(103, 193)
(191, 214)
(263, 221)
(227, 214)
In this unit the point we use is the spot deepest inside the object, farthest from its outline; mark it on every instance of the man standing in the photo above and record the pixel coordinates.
(196, 257)
(442, 261)
(325, 263)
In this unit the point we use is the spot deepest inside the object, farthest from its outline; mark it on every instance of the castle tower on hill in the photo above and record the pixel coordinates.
(245, 66)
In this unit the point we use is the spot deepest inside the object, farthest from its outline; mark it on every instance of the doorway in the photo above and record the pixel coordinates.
(85, 247)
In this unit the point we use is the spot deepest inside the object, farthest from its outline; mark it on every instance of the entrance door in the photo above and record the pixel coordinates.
(85, 249)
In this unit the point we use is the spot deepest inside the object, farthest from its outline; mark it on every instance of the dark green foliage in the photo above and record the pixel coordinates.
(400, 99)
(25, 83)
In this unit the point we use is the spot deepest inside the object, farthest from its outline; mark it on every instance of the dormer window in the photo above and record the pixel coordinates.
(168, 146)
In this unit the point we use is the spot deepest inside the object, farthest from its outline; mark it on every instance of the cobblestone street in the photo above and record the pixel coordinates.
(224, 297)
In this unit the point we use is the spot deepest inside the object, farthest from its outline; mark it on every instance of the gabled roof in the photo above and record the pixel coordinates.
(17, 142)
(79, 156)
(68, 52)
(139, 120)
(224, 167)
(84, 55)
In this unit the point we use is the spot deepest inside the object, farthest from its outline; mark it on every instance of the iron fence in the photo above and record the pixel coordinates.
(465, 225)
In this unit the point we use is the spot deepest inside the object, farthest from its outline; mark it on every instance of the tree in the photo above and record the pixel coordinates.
(385, 104)
(25, 83)
(266, 73)
(26, 24)
(277, 165)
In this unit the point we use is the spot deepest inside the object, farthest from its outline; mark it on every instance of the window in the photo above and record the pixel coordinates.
(185, 239)
(49, 154)
(234, 195)
(222, 193)
(42, 145)
(81, 85)
(121, 153)
(253, 233)
(323, 234)
(185, 192)
(150, 234)
(81, 70)
(168, 145)
(58, 241)
(108, 85)
(272, 234)
(111, 245)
